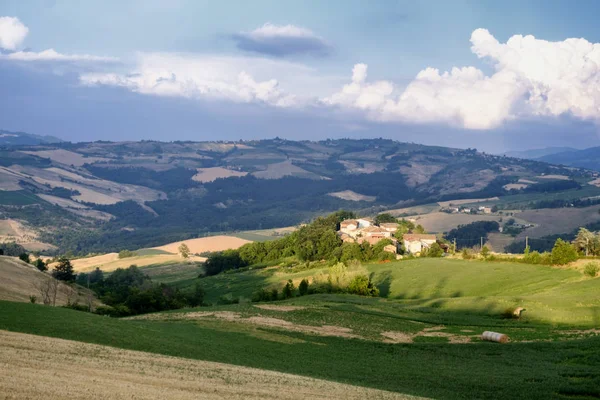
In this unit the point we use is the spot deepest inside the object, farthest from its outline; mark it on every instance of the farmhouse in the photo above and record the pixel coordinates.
(349, 225)
(376, 231)
(389, 226)
(415, 243)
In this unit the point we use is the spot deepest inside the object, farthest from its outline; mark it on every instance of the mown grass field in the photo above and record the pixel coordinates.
(542, 370)
(422, 337)
(549, 295)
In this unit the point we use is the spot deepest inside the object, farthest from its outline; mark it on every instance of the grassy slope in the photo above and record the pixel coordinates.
(550, 295)
(481, 370)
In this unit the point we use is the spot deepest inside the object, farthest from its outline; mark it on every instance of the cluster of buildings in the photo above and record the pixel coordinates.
(364, 230)
(467, 210)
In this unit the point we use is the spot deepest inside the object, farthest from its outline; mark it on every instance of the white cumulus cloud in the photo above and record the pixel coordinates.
(193, 76)
(532, 77)
(12, 33)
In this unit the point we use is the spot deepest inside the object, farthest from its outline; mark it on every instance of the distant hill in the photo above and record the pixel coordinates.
(534, 154)
(109, 196)
(8, 138)
(588, 158)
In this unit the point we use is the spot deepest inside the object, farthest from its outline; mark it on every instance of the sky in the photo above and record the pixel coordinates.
(495, 76)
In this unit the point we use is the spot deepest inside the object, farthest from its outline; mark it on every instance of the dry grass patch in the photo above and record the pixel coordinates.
(19, 281)
(66, 157)
(36, 367)
(111, 261)
(433, 331)
(352, 196)
(206, 244)
(465, 201)
(210, 174)
(273, 307)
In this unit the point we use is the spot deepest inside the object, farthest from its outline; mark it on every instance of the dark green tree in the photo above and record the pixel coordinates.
(64, 270)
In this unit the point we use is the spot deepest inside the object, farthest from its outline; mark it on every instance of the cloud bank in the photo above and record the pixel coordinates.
(282, 40)
(195, 77)
(532, 77)
(12, 33)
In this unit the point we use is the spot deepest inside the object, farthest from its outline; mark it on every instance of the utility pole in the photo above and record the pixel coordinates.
(481, 243)
(454, 245)
(526, 241)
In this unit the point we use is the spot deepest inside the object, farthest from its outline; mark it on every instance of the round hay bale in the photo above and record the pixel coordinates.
(494, 337)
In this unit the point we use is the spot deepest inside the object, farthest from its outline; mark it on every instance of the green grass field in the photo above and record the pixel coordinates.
(540, 370)
(549, 295)
(420, 338)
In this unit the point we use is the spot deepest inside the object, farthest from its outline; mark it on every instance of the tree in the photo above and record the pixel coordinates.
(419, 229)
(586, 242)
(64, 270)
(288, 290)
(563, 253)
(24, 257)
(96, 276)
(485, 251)
(48, 289)
(40, 264)
(385, 217)
(435, 250)
(197, 297)
(184, 250)
(303, 287)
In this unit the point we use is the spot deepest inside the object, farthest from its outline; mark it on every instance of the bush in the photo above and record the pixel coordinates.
(40, 264)
(32, 299)
(228, 299)
(362, 286)
(591, 270)
(303, 287)
(563, 253)
(127, 254)
(435, 250)
(466, 254)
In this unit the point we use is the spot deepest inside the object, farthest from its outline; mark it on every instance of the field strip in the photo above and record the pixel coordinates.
(37, 367)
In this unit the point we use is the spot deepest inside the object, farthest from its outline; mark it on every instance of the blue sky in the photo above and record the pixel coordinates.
(206, 70)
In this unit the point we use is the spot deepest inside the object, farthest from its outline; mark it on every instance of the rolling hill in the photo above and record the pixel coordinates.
(587, 158)
(106, 196)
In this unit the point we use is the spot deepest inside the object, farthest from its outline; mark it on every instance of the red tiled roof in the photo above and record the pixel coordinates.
(414, 237)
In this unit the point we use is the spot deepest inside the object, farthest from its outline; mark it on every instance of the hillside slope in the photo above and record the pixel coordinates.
(19, 281)
(587, 158)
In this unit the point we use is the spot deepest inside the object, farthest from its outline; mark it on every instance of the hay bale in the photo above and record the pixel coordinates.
(517, 312)
(494, 337)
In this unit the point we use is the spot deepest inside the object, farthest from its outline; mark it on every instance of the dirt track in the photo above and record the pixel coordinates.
(36, 367)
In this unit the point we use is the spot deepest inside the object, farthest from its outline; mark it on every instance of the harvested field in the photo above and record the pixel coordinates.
(595, 182)
(19, 280)
(283, 169)
(65, 157)
(434, 331)
(352, 196)
(273, 307)
(210, 174)
(206, 244)
(324, 330)
(549, 221)
(362, 168)
(111, 261)
(557, 177)
(415, 210)
(444, 222)
(465, 201)
(104, 372)
(515, 186)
